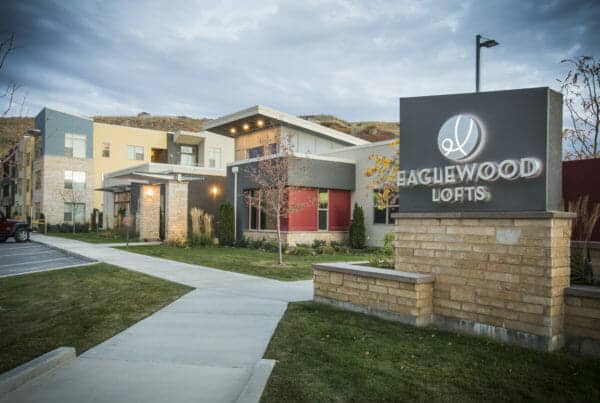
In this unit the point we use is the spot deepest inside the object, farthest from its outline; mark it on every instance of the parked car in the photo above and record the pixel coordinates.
(9, 227)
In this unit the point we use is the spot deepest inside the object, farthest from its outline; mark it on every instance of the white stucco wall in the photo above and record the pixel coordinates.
(363, 195)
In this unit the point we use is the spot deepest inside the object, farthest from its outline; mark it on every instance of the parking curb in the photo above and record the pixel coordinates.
(22, 374)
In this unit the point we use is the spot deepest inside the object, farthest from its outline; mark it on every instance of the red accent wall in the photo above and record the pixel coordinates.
(339, 210)
(304, 219)
(582, 178)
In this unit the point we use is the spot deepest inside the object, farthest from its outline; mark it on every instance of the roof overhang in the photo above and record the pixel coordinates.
(152, 178)
(259, 117)
(185, 137)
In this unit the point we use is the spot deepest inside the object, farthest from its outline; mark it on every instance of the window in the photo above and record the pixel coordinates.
(122, 202)
(27, 185)
(384, 215)
(75, 145)
(256, 152)
(214, 157)
(260, 218)
(135, 153)
(27, 158)
(74, 212)
(323, 209)
(273, 148)
(106, 150)
(38, 179)
(187, 155)
(75, 180)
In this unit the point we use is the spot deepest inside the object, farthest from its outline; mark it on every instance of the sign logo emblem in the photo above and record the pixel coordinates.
(459, 137)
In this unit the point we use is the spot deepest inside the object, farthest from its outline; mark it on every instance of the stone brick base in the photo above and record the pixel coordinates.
(403, 297)
(148, 215)
(582, 319)
(294, 238)
(499, 275)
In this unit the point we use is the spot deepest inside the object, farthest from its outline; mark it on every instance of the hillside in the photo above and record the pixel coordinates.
(12, 128)
(370, 131)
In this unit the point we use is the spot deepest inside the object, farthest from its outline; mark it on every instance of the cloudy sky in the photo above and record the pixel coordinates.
(353, 59)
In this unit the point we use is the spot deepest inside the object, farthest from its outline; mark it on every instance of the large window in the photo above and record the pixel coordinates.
(74, 212)
(75, 145)
(384, 215)
(256, 152)
(75, 180)
(122, 202)
(135, 153)
(187, 155)
(214, 157)
(259, 218)
(323, 209)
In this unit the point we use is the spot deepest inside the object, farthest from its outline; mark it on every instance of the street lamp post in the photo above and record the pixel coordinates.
(487, 43)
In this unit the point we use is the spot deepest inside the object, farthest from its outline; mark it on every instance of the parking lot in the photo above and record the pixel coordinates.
(20, 258)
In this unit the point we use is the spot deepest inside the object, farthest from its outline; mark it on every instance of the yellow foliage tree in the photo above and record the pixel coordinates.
(383, 174)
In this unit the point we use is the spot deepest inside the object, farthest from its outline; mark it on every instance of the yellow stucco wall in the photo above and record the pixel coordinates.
(119, 138)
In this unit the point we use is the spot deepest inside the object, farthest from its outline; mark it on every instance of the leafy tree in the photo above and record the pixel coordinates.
(581, 91)
(225, 227)
(384, 174)
(358, 237)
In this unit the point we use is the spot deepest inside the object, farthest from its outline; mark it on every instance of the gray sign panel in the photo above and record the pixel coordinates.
(491, 151)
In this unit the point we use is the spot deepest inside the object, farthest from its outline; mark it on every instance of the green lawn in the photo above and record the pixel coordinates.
(77, 307)
(325, 354)
(245, 260)
(93, 237)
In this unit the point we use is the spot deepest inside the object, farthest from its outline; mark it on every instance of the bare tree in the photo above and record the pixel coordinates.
(72, 196)
(7, 46)
(581, 90)
(271, 174)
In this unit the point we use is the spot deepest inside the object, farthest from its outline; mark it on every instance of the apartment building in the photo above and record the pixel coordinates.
(70, 155)
(326, 175)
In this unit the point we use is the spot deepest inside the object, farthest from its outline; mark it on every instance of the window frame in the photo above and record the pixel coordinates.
(322, 209)
(213, 161)
(388, 210)
(106, 149)
(70, 151)
(136, 153)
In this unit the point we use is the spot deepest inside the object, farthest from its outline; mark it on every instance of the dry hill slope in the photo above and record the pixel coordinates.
(12, 128)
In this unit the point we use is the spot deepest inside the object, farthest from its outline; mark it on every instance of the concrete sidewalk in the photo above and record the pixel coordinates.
(201, 348)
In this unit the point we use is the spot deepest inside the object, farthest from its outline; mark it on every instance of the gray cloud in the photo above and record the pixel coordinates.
(349, 58)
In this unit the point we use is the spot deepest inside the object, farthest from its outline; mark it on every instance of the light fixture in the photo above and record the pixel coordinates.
(214, 190)
(246, 126)
(232, 130)
(260, 123)
(487, 43)
(148, 193)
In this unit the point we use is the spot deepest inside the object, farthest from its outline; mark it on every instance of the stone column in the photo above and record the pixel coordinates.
(500, 275)
(176, 211)
(148, 213)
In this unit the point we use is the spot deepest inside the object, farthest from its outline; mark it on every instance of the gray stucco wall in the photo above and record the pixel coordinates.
(303, 172)
(54, 124)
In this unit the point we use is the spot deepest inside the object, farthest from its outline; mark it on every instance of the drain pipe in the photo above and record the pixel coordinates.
(234, 170)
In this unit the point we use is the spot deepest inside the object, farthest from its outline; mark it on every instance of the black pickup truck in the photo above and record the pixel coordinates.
(13, 228)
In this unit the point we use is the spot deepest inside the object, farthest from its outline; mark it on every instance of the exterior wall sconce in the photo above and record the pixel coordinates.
(148, 192)
(214, 191)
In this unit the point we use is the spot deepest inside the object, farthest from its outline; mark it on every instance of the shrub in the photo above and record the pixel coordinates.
(357, 234)
(317, 243)
(178, 242)
(225, 227)
(326, 250)
(385, 255)
(299, 250)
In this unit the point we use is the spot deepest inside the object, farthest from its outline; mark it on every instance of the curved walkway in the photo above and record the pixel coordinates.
(201, 348)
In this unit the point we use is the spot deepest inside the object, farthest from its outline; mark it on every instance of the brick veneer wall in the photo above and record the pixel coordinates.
(582, 319)
(53, 195)
(293, 238)
(404, 297)
(148, 213)
(176, 211)
(502, 276)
